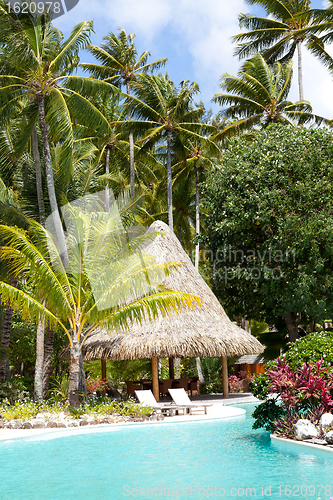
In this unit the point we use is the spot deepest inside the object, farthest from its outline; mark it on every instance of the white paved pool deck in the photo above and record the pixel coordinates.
(220, 408)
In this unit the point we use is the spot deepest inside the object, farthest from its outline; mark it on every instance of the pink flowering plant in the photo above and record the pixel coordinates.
(240, 383)
(304, 392)
(305, 388)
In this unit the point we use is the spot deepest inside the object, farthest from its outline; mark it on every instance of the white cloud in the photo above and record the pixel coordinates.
(317, 84)
(143, 17)
(195, 35)
(207, 29)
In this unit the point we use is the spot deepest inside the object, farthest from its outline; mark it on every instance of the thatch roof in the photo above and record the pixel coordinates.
(250, 359)
(204, 331)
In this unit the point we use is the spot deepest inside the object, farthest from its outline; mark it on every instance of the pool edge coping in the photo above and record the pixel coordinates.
(301, 444)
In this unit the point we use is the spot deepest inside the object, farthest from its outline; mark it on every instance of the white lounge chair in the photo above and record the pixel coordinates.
(180, 397)
(147, 398)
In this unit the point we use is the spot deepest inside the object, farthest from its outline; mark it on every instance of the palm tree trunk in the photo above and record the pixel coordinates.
(82, 382)
(39, 185)
(176, 361)
(74, 375)
(50, 182)
(5, 337)
(131, 148)
(300, 75)
(197, 218)
(107, 171)
(47, 366)
(46, 355)
(38, 383)
(169, 181)
(196, 258)
(177, 368)
(199, 370)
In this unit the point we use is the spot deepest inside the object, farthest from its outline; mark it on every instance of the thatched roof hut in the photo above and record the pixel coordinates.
(204, 331)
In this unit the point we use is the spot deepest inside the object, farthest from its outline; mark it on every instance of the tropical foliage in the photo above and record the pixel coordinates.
(305, 391)
(289, 25)
(120, 65)
(110, 282)
(269, 211)
(166, 113)
(258, 96)
(64, 137)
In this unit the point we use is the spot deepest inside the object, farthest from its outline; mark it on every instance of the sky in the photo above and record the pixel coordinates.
(195, 36)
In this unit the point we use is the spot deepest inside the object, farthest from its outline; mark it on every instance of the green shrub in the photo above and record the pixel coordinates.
(313, 347)
(58, 390)
(210, 387)
(24, 410)
(259, 386)
(266, 414)
(106, 406)
(13, 390)
(95, 406)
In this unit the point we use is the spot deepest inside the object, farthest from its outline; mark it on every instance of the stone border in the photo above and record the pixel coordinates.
(301, 445)
(220, 412)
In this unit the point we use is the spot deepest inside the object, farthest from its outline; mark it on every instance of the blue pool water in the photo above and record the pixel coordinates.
(216, 459)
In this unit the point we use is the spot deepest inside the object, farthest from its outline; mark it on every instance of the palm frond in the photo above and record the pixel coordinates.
(78, 39)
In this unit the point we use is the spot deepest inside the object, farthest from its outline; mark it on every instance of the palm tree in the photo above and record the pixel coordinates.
(110, 282)
(258, 96)
(121, 66)
(37, 65)
(168, 115)
(277, 38)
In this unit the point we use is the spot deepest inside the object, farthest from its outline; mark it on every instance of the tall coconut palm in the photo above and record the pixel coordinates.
(279, 36)
(121, 66)
(110, 282)
(168, 115)
(258, 96)
(41, 63)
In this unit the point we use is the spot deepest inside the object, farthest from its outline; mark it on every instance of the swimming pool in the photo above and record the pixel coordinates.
(216, 459)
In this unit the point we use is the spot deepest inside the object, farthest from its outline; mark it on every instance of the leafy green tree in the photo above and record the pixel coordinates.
(120, 65)
(270, 221)
(109, 283)
(258, 96)
(288, 25)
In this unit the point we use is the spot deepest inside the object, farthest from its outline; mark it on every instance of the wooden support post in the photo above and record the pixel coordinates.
(171, 369)
(103, 369)
(225, 388)
(156, 389)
